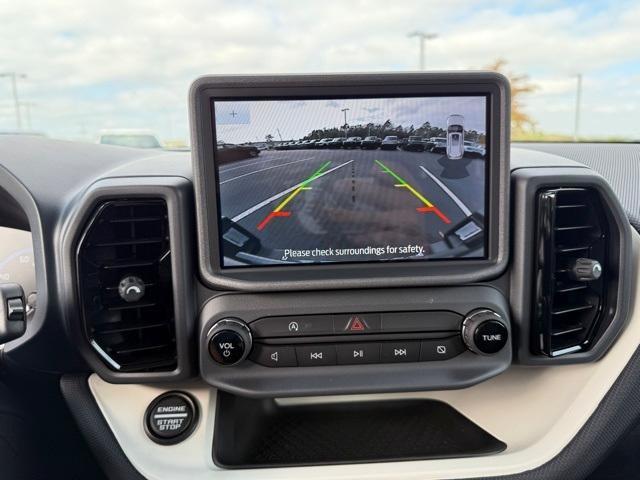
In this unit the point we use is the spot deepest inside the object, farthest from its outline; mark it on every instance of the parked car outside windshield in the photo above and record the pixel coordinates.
(134, 141)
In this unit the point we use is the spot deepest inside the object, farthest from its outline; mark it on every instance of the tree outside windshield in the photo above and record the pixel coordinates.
(71, 69)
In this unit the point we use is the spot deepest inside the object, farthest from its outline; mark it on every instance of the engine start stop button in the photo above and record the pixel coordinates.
(171, 418)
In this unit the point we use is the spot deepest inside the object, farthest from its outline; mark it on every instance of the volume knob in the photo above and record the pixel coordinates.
(484, 332)
(229, 341)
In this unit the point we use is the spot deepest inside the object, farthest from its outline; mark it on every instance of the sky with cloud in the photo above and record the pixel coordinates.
(249, 121)
(95, 65)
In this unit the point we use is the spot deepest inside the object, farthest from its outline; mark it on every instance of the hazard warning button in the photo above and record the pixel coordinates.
(357, 323)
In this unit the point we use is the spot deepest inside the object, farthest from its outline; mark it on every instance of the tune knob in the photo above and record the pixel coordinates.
(229, 341)
(484, 332)
(585, 270)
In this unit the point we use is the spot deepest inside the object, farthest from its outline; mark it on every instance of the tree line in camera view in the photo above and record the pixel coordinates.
(388, 128)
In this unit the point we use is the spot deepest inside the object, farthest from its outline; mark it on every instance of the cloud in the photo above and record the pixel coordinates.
(94, 64)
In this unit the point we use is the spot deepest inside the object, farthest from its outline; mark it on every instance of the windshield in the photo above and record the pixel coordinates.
(69, 71)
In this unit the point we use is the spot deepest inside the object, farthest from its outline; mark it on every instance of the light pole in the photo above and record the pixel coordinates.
(345, 110)
(14, 76)
(422, 38)
(576, 125)
(27, 108)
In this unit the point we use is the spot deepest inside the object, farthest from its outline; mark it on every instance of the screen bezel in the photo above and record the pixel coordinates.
(352, 274)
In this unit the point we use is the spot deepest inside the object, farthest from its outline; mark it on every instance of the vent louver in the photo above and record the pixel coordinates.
(124, 239)
(571, 227)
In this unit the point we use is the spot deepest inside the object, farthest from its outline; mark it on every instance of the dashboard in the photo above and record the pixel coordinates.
(344, 303)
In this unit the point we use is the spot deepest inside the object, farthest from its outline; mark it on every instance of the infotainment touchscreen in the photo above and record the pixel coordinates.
(341, 180)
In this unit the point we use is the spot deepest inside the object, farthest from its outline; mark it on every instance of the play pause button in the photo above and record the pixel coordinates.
(354, 353)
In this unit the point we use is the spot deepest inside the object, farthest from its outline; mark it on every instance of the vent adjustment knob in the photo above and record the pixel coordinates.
(131, 289)
(229, 341)
(585, 270)
(484, 332)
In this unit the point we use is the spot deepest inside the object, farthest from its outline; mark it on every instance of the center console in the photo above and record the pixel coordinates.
(345, 219)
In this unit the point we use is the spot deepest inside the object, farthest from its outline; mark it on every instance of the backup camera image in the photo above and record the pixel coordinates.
(351, 180)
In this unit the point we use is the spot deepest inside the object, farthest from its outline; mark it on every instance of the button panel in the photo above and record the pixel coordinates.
(356, 338)
(356, 323)
(344, 353)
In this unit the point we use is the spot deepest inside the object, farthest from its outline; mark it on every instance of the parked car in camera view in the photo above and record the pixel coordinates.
(228, 152)
(429, 143)
(473, 150)
(439, 145)
(455, 137)
(336, 142)
(370, 143)
(413, 144)
(390, 142)
(323, 143)
(352, 142)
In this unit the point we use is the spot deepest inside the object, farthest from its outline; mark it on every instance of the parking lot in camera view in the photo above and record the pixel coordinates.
(308, 199)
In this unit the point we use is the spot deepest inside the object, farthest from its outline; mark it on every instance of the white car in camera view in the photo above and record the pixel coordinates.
(455, 137)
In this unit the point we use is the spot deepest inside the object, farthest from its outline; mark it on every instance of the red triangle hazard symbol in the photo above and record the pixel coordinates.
(356, 325)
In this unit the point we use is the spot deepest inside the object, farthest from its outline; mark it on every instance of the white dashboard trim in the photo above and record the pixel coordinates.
(536, 411)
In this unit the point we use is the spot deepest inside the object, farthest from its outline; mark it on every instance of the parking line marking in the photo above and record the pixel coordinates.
(404, 183)
(428, 208)
(452, 195)
(277, 212)
(263, 169)
(308, 180)
(258, 206)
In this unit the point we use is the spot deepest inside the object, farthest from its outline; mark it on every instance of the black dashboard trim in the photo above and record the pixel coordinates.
(526, 182)
(176, 191)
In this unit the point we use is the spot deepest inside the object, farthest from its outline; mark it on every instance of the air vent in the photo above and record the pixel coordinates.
(126, 244)
(571, 238)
